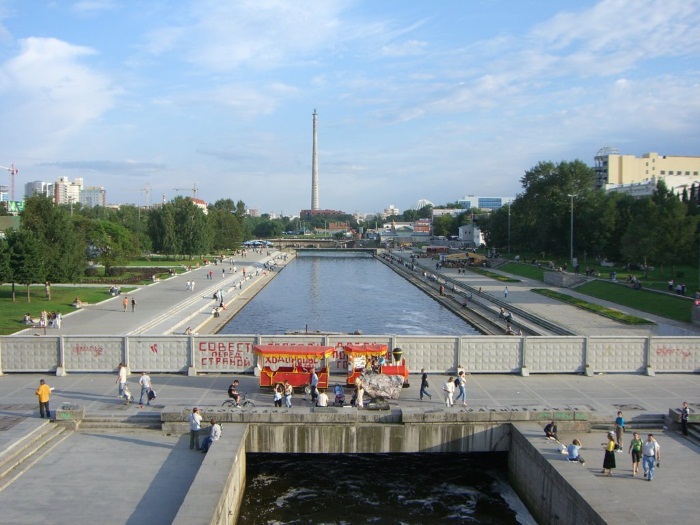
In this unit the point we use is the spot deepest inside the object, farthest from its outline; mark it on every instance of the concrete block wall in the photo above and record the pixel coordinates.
(234, 353)
(545, 492)
(216, 493)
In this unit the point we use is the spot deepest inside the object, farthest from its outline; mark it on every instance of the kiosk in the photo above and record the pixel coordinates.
(280, 363)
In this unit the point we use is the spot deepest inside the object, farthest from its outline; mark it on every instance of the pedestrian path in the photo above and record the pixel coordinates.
(575, 319)
(167, 306)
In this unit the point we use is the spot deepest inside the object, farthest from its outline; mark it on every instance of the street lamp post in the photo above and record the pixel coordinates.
(509, 228)
(572, 195)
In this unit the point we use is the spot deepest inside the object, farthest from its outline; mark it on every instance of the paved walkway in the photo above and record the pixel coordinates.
(167, 306)
(139, 477)
(575, 319)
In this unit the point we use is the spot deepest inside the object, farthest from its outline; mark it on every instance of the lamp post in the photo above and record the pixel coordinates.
(509, 228)
(572, 195)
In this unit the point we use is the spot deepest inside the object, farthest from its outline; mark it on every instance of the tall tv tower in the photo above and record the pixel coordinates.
(314, 169)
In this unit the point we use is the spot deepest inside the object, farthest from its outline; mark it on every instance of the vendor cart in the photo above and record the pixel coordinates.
(375, 357)
(293, 363)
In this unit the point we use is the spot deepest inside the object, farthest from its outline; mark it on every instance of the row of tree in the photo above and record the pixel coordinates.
(661, 229)
(57, 243)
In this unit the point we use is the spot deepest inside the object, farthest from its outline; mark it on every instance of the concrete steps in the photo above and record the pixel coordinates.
(641, 423)
(97, 422)
(694, 433)
(24, 453)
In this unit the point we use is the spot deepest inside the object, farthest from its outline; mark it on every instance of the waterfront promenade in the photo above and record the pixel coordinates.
(141, 476)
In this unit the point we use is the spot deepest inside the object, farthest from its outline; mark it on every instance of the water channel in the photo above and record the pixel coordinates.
(397, 489)
(344, 294)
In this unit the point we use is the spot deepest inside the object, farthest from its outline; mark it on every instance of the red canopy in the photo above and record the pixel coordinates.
(293, 351)
(366, 349)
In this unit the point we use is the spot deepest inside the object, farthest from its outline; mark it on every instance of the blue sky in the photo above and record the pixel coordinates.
(416, 99)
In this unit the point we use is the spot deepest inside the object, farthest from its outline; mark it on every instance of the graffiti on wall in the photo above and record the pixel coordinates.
(215, 354)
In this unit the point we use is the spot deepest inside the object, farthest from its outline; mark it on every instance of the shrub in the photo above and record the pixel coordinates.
(91, 271)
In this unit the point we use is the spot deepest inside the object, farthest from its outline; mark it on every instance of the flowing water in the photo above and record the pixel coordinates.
(410, 489)
(344, 294)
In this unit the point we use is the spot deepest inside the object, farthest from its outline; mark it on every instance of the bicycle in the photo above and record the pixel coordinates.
(243, 403)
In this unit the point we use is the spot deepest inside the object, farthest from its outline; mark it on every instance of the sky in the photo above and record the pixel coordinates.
(415, 99)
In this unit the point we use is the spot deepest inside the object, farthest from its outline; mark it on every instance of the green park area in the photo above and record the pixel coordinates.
(648, 299)
(62, 300)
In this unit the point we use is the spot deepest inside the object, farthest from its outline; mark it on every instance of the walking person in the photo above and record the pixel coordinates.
(121, 379)
(652, 456)
(609, 459)
(279, 393)
(449, 390)
(685, 414)
(359, 393)
(125, 302)
(195, 421)
(288, 391)
(145, 382)
(636, 451)
(133, 305)
(44, 394)
(424, 385)
(313, 383)
(461, 383)
(620, 430)
(505, 292)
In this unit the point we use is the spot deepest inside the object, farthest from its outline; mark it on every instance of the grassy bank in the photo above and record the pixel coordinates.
(62, 297)
(604, 311)
(665, 305)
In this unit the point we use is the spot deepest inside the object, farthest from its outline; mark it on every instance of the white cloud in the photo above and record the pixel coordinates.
(90, 7)
(48, 93)
(258, 34)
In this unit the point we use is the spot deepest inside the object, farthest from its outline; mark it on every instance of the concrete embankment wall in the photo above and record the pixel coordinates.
(220, 483)
(437, 354)
(216, 493)
(547, 494)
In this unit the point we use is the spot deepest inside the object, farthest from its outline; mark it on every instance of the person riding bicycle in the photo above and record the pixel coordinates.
(233, 392)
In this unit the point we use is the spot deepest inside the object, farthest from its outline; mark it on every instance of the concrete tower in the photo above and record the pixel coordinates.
(314, 169)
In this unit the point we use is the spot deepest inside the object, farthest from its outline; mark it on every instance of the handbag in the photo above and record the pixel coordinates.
(151, 394)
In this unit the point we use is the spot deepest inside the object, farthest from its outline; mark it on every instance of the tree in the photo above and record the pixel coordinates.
(62, 248)
(25, 259)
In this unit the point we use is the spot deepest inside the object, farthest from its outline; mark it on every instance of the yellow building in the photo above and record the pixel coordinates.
(613, 169)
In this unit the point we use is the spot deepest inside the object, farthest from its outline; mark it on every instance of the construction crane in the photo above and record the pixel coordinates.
(193, 189)
(146, 189)
(13, 171)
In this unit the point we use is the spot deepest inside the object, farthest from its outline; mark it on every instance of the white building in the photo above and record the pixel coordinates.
(471, 235)
(484, 203)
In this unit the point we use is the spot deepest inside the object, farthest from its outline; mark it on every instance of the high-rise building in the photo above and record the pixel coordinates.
(39, 187)
(67, 192)
(613, 169)
(92, 196)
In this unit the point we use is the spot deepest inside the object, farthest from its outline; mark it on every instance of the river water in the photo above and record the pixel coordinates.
(406, 489)
(344, 294)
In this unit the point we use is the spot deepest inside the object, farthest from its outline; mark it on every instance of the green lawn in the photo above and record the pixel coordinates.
(12, 313)
(524, 270)
(664, 305)
(493, 275)
(592, 307)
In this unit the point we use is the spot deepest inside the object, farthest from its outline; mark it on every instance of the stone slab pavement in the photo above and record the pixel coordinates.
(575, 319)
(167, 306)
(141, 477)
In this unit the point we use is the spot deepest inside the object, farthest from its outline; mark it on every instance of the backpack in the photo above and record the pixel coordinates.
(457, 381)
